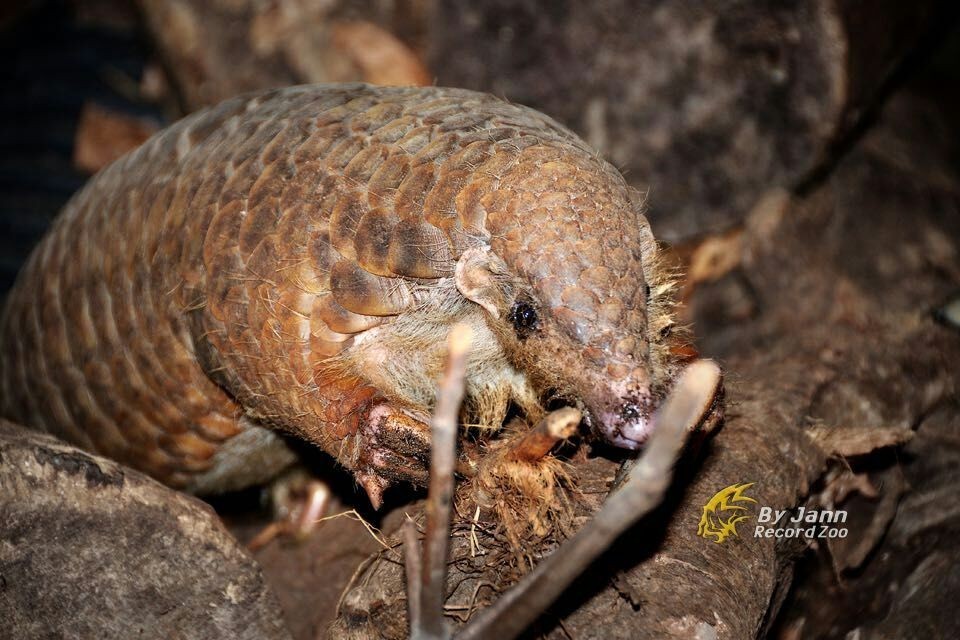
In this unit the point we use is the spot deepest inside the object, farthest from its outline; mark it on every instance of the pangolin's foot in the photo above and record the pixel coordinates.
(299, 502)
(394, 446)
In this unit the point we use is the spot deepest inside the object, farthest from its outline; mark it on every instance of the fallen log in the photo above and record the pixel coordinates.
(91, 549)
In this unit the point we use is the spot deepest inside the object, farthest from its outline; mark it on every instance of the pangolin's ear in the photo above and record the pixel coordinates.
(476, 277)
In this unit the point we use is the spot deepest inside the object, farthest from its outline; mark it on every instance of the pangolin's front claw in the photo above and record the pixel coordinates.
(394, 446)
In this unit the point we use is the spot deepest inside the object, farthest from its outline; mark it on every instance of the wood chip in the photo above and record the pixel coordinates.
(857, 441)
(104, 135)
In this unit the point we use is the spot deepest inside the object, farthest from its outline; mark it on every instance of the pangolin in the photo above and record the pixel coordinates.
(292, 261)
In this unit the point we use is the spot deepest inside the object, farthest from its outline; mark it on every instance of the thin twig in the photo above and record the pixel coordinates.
(414, 570)
(474, 542)
(555, 427)
(430, 623)
(640, 494)
(353, 514)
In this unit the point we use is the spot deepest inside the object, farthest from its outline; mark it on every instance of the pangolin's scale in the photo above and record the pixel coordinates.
(208, 274)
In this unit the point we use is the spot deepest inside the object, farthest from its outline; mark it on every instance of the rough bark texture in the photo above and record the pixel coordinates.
(896, 587)
(90, 549)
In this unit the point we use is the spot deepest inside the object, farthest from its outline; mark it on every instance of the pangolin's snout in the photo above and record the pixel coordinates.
(621, 410)
(631, 427)
(628, 414)
(627, 428)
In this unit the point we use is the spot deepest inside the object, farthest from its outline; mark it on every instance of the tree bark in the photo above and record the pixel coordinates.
(91, 549)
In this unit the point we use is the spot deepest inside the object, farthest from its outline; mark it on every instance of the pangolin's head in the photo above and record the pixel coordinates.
(570, 279)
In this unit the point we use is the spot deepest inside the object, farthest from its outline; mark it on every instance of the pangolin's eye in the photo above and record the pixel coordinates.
(524, 318)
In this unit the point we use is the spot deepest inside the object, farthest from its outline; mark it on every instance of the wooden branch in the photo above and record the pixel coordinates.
(429, 623)
(555, 427)
(414, 570)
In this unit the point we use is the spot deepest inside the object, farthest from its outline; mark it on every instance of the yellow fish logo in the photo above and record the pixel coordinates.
(722, 513)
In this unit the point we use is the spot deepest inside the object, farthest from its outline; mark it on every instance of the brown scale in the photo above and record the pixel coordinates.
(293, 260)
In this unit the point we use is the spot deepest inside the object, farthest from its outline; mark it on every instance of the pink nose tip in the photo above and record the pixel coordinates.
(628, 429)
